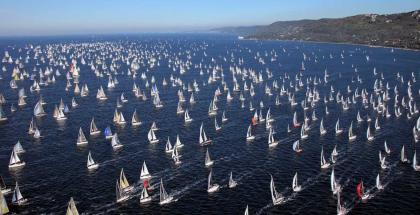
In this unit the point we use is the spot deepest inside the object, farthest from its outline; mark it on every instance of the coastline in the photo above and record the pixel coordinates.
(341, 43)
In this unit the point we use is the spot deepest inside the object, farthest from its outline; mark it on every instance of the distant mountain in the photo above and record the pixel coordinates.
(394, 30)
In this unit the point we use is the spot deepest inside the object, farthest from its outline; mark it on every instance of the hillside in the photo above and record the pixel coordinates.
(395, 30)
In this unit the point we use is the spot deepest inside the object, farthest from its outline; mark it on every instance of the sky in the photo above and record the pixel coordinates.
(61, 17)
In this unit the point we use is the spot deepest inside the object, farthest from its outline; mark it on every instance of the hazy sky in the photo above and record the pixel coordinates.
(52, 17)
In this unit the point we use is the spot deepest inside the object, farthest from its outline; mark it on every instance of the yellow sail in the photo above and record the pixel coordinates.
(71, 209)
(123, 180)
(4, 209)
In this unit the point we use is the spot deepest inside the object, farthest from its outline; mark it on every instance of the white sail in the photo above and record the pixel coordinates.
(163, 195)
(18, 148)
(378, 183)
(39, 110)
(211, 188)
(144, 174)
(232, 183)
(81, 139)
(208, 162)
(144, 197)
(187, 117)
(249, 135)
(93, 129)
(178, 143)
(115, 142)
(152, 137)
(90, 162)
(324, 163)
(275, 196)
(168, 146)
(296, 187)
(17, 198)
(403, 157)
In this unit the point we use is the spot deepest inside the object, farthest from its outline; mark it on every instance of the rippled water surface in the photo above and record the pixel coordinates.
(56, 168)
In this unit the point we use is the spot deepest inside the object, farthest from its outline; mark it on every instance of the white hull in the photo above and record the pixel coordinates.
(93, 166)
(210, 163)
(166, 201)
(250, 138)
(145, 200)
(153, 141)
(297, 188)
(96, 132)
(213, 188)
(325, 166)
(144, 177)
(17, 165)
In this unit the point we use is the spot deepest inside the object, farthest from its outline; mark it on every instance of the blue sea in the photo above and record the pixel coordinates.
(56, 167)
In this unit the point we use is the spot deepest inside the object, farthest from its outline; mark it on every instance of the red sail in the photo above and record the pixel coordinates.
(359, 190)
(145, 184)
(254, 121)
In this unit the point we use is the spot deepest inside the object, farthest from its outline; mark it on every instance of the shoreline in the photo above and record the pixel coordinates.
(341, 43)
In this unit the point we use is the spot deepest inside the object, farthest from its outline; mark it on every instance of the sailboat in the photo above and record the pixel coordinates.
(152, 137)
(168, 146)
(208, 162)
(211, 188)
(324, 163)
(322, 130)
(335, 187)
(415, 167)
(296, 187)
(403, 156)
(246, 210)
(341, 210)
(71, 208)
(387, 150)
(3, 188)
(351, 135)
(216, 126)
(369, 135)
(91, 165)
(39, 110)
(144, 197)
(178, 143)
(338, 129)
(187, 117)
(144, 174)
(18, 148)
(4, 209)
(121, 195)
(232, 183)
(108, 133)
(17, 198)
(123, 182)
(295, 121)
(275, 196)
(115, 142)
(135, 119)
(176, 156)
(81, 139)
(15, 161)
(361, 191)
(296, 146)
(379, 186)
(93, 129)
(303, 134)
(249, 136)
(271, 141)
(203, 137)
(224, 119)
(163, 195)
